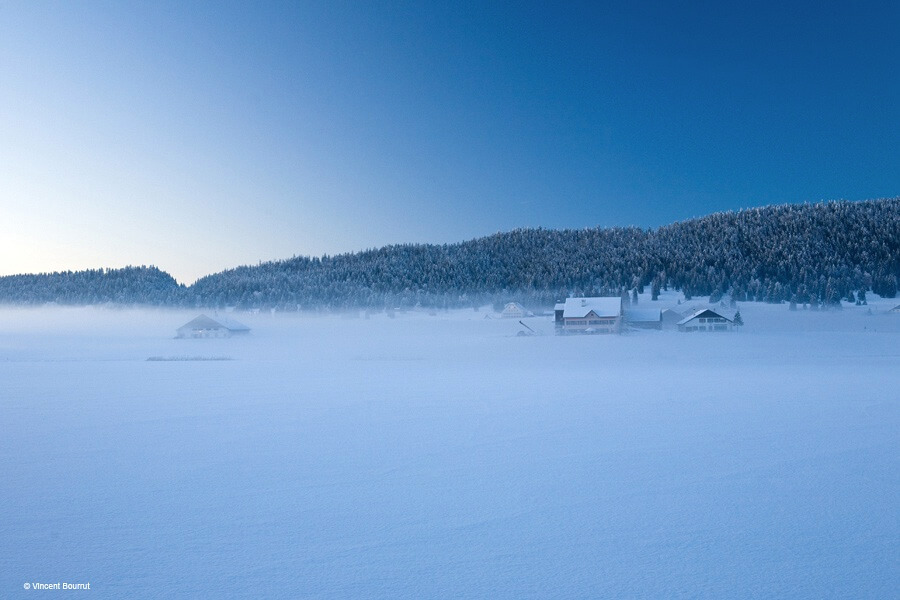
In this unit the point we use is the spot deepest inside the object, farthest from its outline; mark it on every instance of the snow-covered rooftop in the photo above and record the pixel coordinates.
(699, 313)
(643, 315)
(577, 308)
(205, 322)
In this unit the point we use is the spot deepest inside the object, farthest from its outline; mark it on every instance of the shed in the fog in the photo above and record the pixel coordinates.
(514, 310)
(207, 327)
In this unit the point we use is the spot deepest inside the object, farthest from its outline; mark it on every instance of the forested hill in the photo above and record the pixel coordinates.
(131, 285)
(819, 253)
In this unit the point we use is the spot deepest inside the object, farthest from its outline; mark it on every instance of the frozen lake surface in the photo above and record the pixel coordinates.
(445, 457)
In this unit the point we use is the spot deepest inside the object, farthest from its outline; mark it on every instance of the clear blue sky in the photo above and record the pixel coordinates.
(201, 136)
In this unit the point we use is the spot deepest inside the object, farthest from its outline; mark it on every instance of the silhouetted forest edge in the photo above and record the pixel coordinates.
(804, 253)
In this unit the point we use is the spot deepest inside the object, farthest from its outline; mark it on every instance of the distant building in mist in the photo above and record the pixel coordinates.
(705, 319)
(592, 315)
(206, 327)
(514, 310)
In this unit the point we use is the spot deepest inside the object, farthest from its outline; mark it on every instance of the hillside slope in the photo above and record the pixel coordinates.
(817, 253)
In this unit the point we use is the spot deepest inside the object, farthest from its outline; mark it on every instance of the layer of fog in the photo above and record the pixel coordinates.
(446, 456)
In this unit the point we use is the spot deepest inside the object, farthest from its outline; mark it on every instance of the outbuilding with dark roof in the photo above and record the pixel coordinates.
(705, 319)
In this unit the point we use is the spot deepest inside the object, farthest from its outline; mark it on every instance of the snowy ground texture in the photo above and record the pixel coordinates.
(445, 457)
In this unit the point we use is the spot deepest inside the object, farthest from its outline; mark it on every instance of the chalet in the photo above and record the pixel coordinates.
(206, 327)
(592, 315)
(644, 318)
(705, 319)
(514, 310)
(896, 309)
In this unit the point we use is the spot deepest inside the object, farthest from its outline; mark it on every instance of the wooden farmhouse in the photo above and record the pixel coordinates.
(644, 318)
(592, 315)
(514, 310)
(705, 319)
(206, 327)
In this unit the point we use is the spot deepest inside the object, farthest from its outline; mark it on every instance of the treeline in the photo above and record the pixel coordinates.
(817, 254)
(131, 285)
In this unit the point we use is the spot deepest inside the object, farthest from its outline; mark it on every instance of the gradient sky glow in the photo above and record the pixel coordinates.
(202, 136)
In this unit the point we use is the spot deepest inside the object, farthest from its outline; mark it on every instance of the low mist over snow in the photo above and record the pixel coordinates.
(444, 456)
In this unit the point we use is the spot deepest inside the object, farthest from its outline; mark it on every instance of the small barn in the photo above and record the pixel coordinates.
(592, 315)
(705, 319)
(207, 327)
(514, 310)
(644, 318)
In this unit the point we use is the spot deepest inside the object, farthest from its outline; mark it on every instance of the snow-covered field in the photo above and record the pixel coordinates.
(445, 457)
